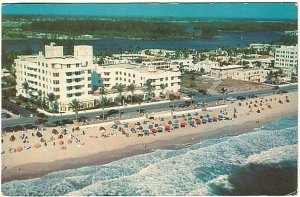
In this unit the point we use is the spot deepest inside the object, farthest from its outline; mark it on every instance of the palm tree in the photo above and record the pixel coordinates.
(102, 91)
(75, 104)
(120, 89)
(41, 98)
(26, 87)
(149, 88)
(104, 102)
(131, 88)
(140, 99)
(51, 99)
(223, 92)
(163, 87)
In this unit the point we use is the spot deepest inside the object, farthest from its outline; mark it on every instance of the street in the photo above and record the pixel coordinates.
(132, 111)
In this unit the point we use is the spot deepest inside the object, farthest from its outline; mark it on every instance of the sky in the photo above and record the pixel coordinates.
(266, 11)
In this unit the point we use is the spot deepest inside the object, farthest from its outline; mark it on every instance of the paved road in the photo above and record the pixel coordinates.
(132, 111)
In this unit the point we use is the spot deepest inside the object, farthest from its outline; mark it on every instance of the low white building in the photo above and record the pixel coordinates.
(206, 65)
(224, 72)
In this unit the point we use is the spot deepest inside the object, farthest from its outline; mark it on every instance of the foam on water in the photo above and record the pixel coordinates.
(194, 170)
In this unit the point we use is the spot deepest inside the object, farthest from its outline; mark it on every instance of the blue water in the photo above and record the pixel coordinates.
(224, 166)
(225, 39)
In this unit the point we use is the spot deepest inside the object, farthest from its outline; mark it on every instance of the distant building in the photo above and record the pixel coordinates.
(206, 65)
(224, 72)
(291, 33)
(286, 58)
(87, 36)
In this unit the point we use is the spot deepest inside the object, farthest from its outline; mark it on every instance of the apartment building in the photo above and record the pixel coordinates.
(286, 58)
(67, 77)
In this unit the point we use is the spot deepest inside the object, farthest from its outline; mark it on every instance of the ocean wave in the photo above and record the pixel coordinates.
(204, 168)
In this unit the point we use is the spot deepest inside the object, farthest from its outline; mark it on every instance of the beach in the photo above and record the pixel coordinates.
(93, 149)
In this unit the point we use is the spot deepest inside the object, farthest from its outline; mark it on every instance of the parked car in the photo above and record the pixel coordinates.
(40, 121)
(252, 96)
(276, 88)
(50, 124)
(67, 121)
(112, 111)
(230, 99)
(284, 91)
(241, 98)
(41, 115)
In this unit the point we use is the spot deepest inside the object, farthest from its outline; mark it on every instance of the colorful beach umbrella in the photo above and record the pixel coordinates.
(175, 126)
(170, 122)
(37, 145)
(160, 129)
(19, 149)
(154, 130)
(150, 126)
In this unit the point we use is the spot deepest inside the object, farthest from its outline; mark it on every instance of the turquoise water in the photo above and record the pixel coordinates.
(211, 167)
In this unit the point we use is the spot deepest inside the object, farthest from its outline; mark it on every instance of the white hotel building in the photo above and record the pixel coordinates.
(286, 58)
(70, 77)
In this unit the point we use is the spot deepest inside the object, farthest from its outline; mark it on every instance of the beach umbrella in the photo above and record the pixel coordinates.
(146, 132)
(133, 130)
(19, 149)
(220, 117)
(170, 122)
(140, 128)
(189, 114)
(160, 129)
(12, 138)
(183, 116)
(201, 116)
(150, 126)
(198, 121)
(190, 118)
(167, 128)
(207, 115)
(191, 122)
(175, 126)
(204, 120)
(210, 119)
(174, 117)
(162, 119)
(43, 140)
(145, 122)
(196, 113)
(138, 123)
(126, 124)
(60, 136)
(153, 130)
(37, 145)
(61, 142)
(176, 121)
(156, 125)
(39, 134)
(54, 131)
(215, 119)
(114, 126)
(69, 141)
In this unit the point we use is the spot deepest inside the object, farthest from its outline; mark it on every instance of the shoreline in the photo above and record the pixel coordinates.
(38, 170)
(96, 150)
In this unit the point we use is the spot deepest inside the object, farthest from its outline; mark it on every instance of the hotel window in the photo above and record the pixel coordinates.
(69, 95)
(39, 70)
(89, 85)
(129, 80)
(116, 72)
(124, 79)
(46, 65)
(128, 74)
(124, 74)
(68, 65)
(161, 79)
(69, 80)
(56, 89)
(43, 71)
(133, 75)
(133, 81)
(42, 64)
(106, 73)
(172, 84)
(172, 78)
(89, 71)
(90, 92)
(120, 73)
(77, 65)
(89, 78)
(166, 78)
(120, 78)
(55, 81)
(116, 78)
(77, 94)
(39, 63)
(69, 73)
(55, 74)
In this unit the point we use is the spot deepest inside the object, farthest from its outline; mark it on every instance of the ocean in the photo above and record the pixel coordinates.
(261, 162)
